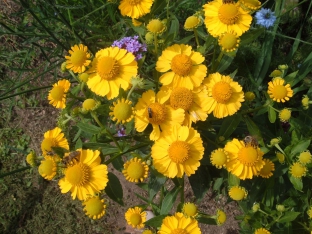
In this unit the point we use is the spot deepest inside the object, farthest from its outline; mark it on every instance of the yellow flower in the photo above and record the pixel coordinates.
(297, 170)
(53, 138)
(221, 217)
(219, 158)
(245, 161)
(151, 109)
(276, 73)
(112, 69)
(190, 209)
(178, 223)
(84, 177)
(250, 96)
(193, 102)
(224, 17)
(48, 168)
(83, 77)
(250, 5)
(278, 91)
(156, 26)
(192, 22)
(256, 207)
(225, 95)
(305, 157)
(285, 115)
(89, 105)
(266, 170)
(135, 170)
(122, 111)
(94, 207)
(309, 212)
(237, 193)
(178, 152)
(135, 217)
(182, 67)
(262, 231)
(135, 8)
(31, 158)
(78, 59)
(136, 23)
(228, 41)
(57, 95)
(305, 102)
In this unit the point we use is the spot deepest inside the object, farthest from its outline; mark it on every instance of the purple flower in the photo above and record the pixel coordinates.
(265, 17)
(121, 132)
(131, 44)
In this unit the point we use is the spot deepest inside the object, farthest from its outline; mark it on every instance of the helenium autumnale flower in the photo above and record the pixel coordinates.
(265, 17)
(131, 44)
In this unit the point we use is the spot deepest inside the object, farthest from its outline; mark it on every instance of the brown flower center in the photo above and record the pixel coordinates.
(181, 98)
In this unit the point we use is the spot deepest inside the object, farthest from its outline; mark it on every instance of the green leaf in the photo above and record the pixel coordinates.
(271, 114)
(229, 125)
(250, 36)
(104, 147)
(78, 144)
(206, 220)
(88, 128)
(291, 77)
(253, 129)
(156, 221)
(299, 147)
(289, 216)
(169, 200)
(114, 189)
(156, 181)
(217, 184)
(200, 182)
(298, 185)
(233, 180)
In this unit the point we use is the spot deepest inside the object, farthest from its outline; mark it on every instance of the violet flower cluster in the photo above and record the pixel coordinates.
(131, 44)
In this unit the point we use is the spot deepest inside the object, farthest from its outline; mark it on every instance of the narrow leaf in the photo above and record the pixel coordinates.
(156, 221)
(229, 125)
(169, 200)
(114, 189)
(289, 216)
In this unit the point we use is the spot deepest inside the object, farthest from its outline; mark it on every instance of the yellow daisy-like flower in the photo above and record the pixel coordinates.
(156, 26)
(305, 157)
(135, 170)
(151, 109)
(178, 223)
(178, 152)
(238, 193)
(122, 111)
(305, 102)
(135, 217)
(192, 22)
(193, 102)
(245, 160)
(280, 157)
(224, 95)
(284, 115)
(90, 105)
(31, 158)
(78, 59)
(224, 17)
(190, 209)
(135, 8)
(278, 91)
(250, 5)
(48, 168)
(57, 95)
(53, 138)
(182, 67)
(221, 217)
(112, 69)
(94, 207)
(267, 169)
(297, 170)
(262, 231)
(228, 41)
(219, 158)
(250, 96)
(86, 176)
(309, 212)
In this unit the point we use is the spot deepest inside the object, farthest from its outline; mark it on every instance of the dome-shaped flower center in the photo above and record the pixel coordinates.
(285, 114)
(135, 170)
(190, 209)
(94, 206)
(156, 113)
(221, 217)
(179, 231)
(191, 22)
(179, 151)
(107, 68)
(122, 111)
(88, 104)
(181, 98)
(134, 2)
(155, 26)
(228, 41)
(135, 219)
(237, 193)
(78, 58)
(47, 167)
(47, 144)
(248, 155)
(219, 158)
(228, 14)
(181, 64)
(222, 92)
(57, 93)
(297, 170)
(305, 157)
(266, 169)
(279, 91)
(78, 175)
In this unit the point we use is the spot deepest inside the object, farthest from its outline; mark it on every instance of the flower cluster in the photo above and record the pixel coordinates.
(131, 44)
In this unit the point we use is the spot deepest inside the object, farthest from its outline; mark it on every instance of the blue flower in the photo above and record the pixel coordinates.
(265, 17)
(131, 44)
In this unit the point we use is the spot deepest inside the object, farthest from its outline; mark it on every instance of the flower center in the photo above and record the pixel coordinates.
(297, 170)
(88, 104)
(181, 98)
(228, 13)
(179, 151)
(222, 92)
(78, 58)
(179, 231)
(279, 91)
(108, 68)
(57, 93)
(134, 2)
(122, 111)
(94, 206)
(46, 167)
(181, 64)
(47, 144)
(135, 219)
(248, 155)
(135, 170)
(156, 113)
(78, 174)
(228, 41)
(156, 26)
(190, 209)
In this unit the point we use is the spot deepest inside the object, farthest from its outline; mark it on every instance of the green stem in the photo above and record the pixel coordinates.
(196, 37)
(14, 172)
(182, 189)
(25, 91)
